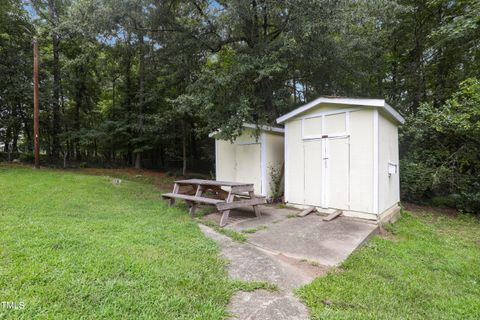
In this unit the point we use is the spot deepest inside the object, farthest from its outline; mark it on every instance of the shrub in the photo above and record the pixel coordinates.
(276, 182)
(440, 149)
(27, 157)
(416, 180)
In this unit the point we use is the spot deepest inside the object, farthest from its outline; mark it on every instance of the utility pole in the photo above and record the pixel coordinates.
(35, 103)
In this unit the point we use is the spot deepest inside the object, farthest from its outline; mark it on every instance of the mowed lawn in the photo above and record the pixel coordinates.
(426, 267)
(78, 246)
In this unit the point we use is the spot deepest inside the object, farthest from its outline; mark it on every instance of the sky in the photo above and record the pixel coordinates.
(27, 5)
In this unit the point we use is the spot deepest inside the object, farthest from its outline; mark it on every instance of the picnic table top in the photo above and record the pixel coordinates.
(213, 183)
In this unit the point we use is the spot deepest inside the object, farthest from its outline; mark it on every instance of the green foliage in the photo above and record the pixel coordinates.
(27, 157)
(126, 82)
(449, 201)
(425, 268)
(276, 175)
(416, 180)
(16, 30)
(444, 144)
(460, 115)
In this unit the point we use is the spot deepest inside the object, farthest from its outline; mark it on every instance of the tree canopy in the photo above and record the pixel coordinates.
(143, 82)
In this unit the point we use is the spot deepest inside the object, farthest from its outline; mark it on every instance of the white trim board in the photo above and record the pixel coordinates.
(378, 103)
(285, 164)
(216, 159)
(324, 134)
(264, 128)
(325, 173)
(263, 159)
(252, 126)
(375, 160)
(328, 113)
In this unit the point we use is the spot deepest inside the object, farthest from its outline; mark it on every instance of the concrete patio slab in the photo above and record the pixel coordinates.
(311, 238)
(270, 215)
(279, 230)
(244, 218)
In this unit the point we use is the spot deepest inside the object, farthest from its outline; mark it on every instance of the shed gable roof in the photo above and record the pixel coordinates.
(264, 128)
(254, 126)
(378, 103)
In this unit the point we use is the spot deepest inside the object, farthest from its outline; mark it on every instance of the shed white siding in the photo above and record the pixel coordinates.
(389, 190)
(224, 154)
(250, 159)
(338, 157)
(274, 150)
(361, 161)
(294, 163)
(349, 178)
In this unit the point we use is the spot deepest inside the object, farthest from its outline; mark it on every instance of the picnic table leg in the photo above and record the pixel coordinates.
(255, 207)
(176, 187)
(221, 193)
(194, 205)
(226, 213)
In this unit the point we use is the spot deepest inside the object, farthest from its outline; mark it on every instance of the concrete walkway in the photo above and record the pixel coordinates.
(287, 251)
(249, 263)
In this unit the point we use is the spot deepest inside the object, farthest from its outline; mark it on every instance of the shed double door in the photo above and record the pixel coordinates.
(327, 166)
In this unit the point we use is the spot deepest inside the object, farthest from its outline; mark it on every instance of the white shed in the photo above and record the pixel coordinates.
(251, 157)
(342, 153)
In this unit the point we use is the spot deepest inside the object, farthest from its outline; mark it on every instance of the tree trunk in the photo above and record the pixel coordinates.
(15, 128)
(184, 149)
(128, 76)
(15, 141)
(76, 122)
(162, 156)
(294, 91)
(26, 131)
(8, 137)
(56, 81)
(193, 144)
(65, 154)
(141, 75)
(113, 97)
(138, 160)
(442, 69)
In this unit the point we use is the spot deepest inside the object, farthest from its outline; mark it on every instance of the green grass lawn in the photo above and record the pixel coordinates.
(77, 246)
(426, 267)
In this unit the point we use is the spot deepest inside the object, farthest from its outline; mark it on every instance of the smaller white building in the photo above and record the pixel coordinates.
(342, 154)
(254, 157)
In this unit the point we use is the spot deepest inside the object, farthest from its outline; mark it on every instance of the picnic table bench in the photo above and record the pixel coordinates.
(238, 195)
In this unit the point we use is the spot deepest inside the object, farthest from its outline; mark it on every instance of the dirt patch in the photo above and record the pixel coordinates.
(158, 178)
(421, 209)
(312, 269)
(235, 216)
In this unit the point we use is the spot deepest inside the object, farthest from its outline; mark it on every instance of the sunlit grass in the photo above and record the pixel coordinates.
(79, 246)
(427, 267)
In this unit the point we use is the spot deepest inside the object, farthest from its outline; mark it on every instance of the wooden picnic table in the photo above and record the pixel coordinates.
(238, 195)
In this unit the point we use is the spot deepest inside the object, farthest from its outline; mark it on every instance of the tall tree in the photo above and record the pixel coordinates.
(16, 34)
